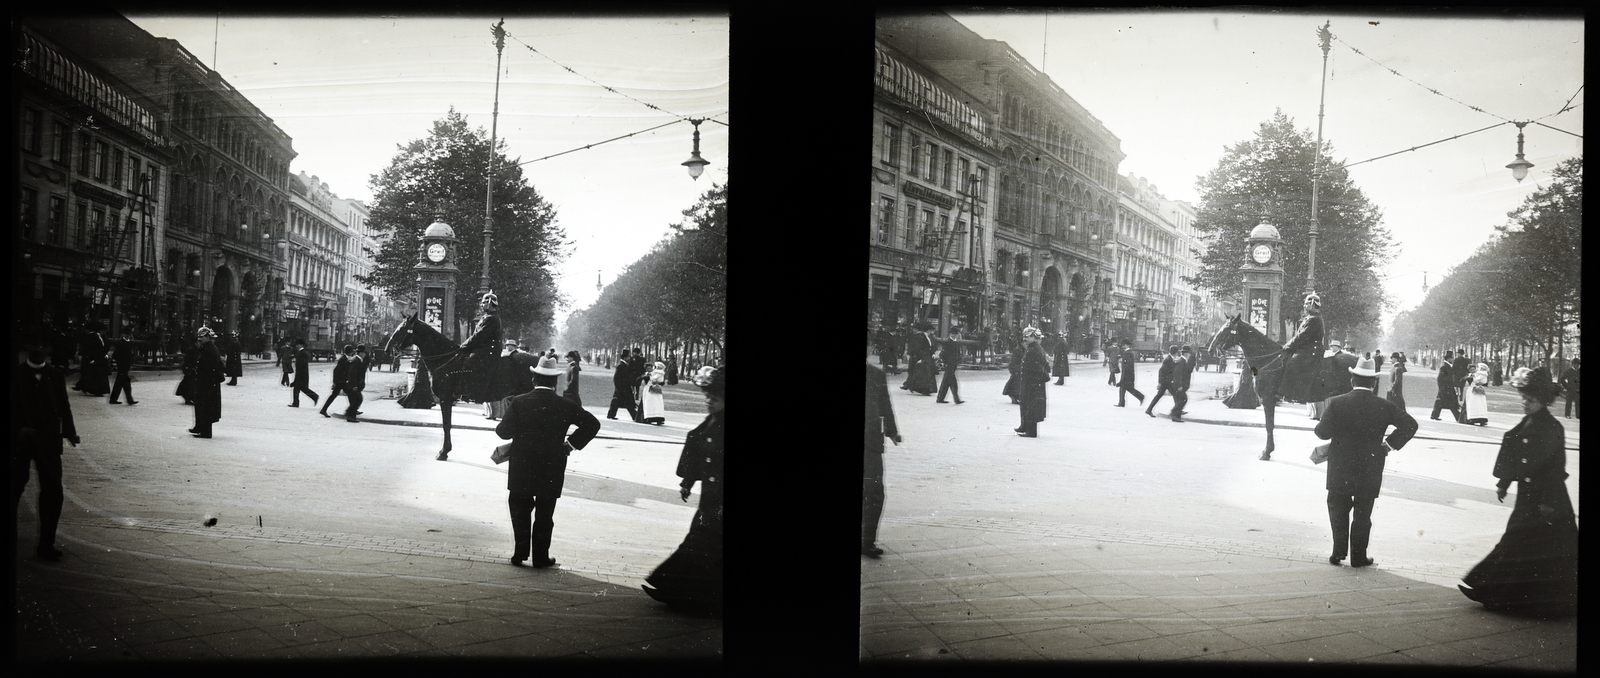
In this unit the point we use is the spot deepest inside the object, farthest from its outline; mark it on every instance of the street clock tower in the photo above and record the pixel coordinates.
(1263, 281)
(436, 278)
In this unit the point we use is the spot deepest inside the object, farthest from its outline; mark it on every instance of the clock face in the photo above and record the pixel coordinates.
(1261, 254)
(436, 253)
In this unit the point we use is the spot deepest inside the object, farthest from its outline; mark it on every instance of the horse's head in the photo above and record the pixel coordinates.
(1226, 337)
(401, 337)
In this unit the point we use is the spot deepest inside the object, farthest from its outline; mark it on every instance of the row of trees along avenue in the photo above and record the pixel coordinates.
(442, 177)
(1518, 294)
(674, 298)
(1267, 179)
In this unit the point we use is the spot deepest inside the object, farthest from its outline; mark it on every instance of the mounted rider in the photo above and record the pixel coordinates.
(1303, 356)
(482, 349)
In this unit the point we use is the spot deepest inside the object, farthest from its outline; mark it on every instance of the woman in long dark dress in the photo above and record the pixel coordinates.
(1035, 374)
(1397, 379)
(94, 371)
(691, 578)
(1062, 368)
(1244, 397)
(1534, 568)
(1011, 389)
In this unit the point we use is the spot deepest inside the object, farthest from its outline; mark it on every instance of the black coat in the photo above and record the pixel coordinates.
(1164, 376)
(571, 392)
(206, 389)
(357, 377)
(1303, 362)
(1035, 374)
(1181, 369)
(701, 460)
(122, 357)
(536, 423)
(341, 372)
(1339, 373)
(1447, 383)
(1356, 422)
(1127, 360)
(234, 366)
(39, 405)
(302, 368)
(1533, 455)
(1063, 354)
(880, 414)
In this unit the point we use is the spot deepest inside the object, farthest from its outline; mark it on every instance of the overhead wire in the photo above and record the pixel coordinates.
(596, 82)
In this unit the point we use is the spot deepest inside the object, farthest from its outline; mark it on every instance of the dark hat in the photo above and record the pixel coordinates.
(1188, 348)
(922, 325)
(361, 347)
(574, 355)
(349, 348)
(712, 380)
(1535, 382)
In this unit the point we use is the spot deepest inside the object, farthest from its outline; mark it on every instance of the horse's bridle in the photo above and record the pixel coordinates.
(428, 358)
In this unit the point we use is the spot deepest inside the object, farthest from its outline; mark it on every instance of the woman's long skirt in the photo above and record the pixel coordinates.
(1397, 391)
(921, 379)
(1534, 568)
(655, 407)
(94, 378)
(1244, 396)
(691, 578)
(1477, 407)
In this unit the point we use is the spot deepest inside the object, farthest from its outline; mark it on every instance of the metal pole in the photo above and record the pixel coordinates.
(1316, 164)
(488, 191)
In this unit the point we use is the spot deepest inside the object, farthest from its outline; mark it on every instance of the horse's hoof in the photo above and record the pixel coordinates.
(443, 456)
(1266, 456)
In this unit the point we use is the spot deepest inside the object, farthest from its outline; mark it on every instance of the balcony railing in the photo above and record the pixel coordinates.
(897, 79)
(61, 74)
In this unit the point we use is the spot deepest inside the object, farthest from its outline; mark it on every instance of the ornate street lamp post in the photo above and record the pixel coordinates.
(1326, 37)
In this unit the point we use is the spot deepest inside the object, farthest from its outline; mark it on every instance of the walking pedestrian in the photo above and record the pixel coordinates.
(884, 345)
(1447, 391)
(1112, 359)
(950, 354)
(573, 368)
(191, 358)
(1477, 402)
(536, 423)
(691, 578)
(1496, 370)
(1125, 384)
(286, 363)
(919, 372)
(1461, 371)
(880, 425)
(1163, 379)
(622, 390)
(41, 418)
(1355, 424)
(672, 369)
(341, 375)
(1569, 386)
(1397, 372)
(1534, 568)
(1035, 374)
(122, 360)
(655, 405)
(235, 366)
(1063, 355)
(207, 388)
(302, 373)
(641, 380)
(1180, 382)
(92, 371)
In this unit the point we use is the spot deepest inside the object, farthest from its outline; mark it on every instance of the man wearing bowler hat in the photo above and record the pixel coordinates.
(1356, 422)
(536, 423)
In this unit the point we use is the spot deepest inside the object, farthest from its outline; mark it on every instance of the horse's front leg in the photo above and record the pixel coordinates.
(1267, 408)
(446, 406)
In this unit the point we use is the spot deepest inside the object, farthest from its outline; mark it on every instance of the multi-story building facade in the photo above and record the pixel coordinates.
(218, 254)
(1147, 245)
(319, 243)
(91, 189)
(372, 315)
(930, 233)
(1197, 313)
(1051, 262)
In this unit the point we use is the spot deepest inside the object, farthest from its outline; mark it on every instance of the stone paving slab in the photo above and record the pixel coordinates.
(1054, 594)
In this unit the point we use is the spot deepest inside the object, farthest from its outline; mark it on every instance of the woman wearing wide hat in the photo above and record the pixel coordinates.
(1534, 568)
(1035, 374)
(691, 578)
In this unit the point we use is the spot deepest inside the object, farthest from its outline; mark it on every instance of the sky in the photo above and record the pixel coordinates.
(1178, 87)
(348, 91)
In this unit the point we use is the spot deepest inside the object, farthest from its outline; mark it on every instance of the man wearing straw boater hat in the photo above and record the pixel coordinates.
(536, 423)
(1356, 422)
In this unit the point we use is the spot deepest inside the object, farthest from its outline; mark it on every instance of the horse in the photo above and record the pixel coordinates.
(1264, 357)
(443, 359)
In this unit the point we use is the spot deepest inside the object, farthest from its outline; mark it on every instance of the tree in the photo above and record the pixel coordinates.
(1268, 180)
(442, 177)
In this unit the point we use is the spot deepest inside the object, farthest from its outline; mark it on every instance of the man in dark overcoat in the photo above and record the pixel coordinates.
(1063, 355)
(1355, 423)
(1181, 371)
(483, 348)
(286, 363)
(41, 418)
(880, 425)
(1569, 386)
(207, 388)
(1303, 356)
(950, 354)
(536, 423)
(1343, 361)
(356, 382)
(341, 376)
(1447, 391)
(622, 389)
(1035, 374)
(235, 366)
(1163, 378)
(1125, 369)
(1461, 371)
(302, 373)
(122, 361)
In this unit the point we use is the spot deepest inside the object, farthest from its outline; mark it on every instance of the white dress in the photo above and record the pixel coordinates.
(1478, 399)
(655, 405)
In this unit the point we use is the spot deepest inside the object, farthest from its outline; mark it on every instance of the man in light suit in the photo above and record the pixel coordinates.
(536, 423)
(1356, 422)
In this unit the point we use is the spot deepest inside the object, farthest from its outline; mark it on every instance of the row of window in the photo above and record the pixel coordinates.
(932, 162)
(1027, 122)
(920, 228)
(196, 118)
(107, 163)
